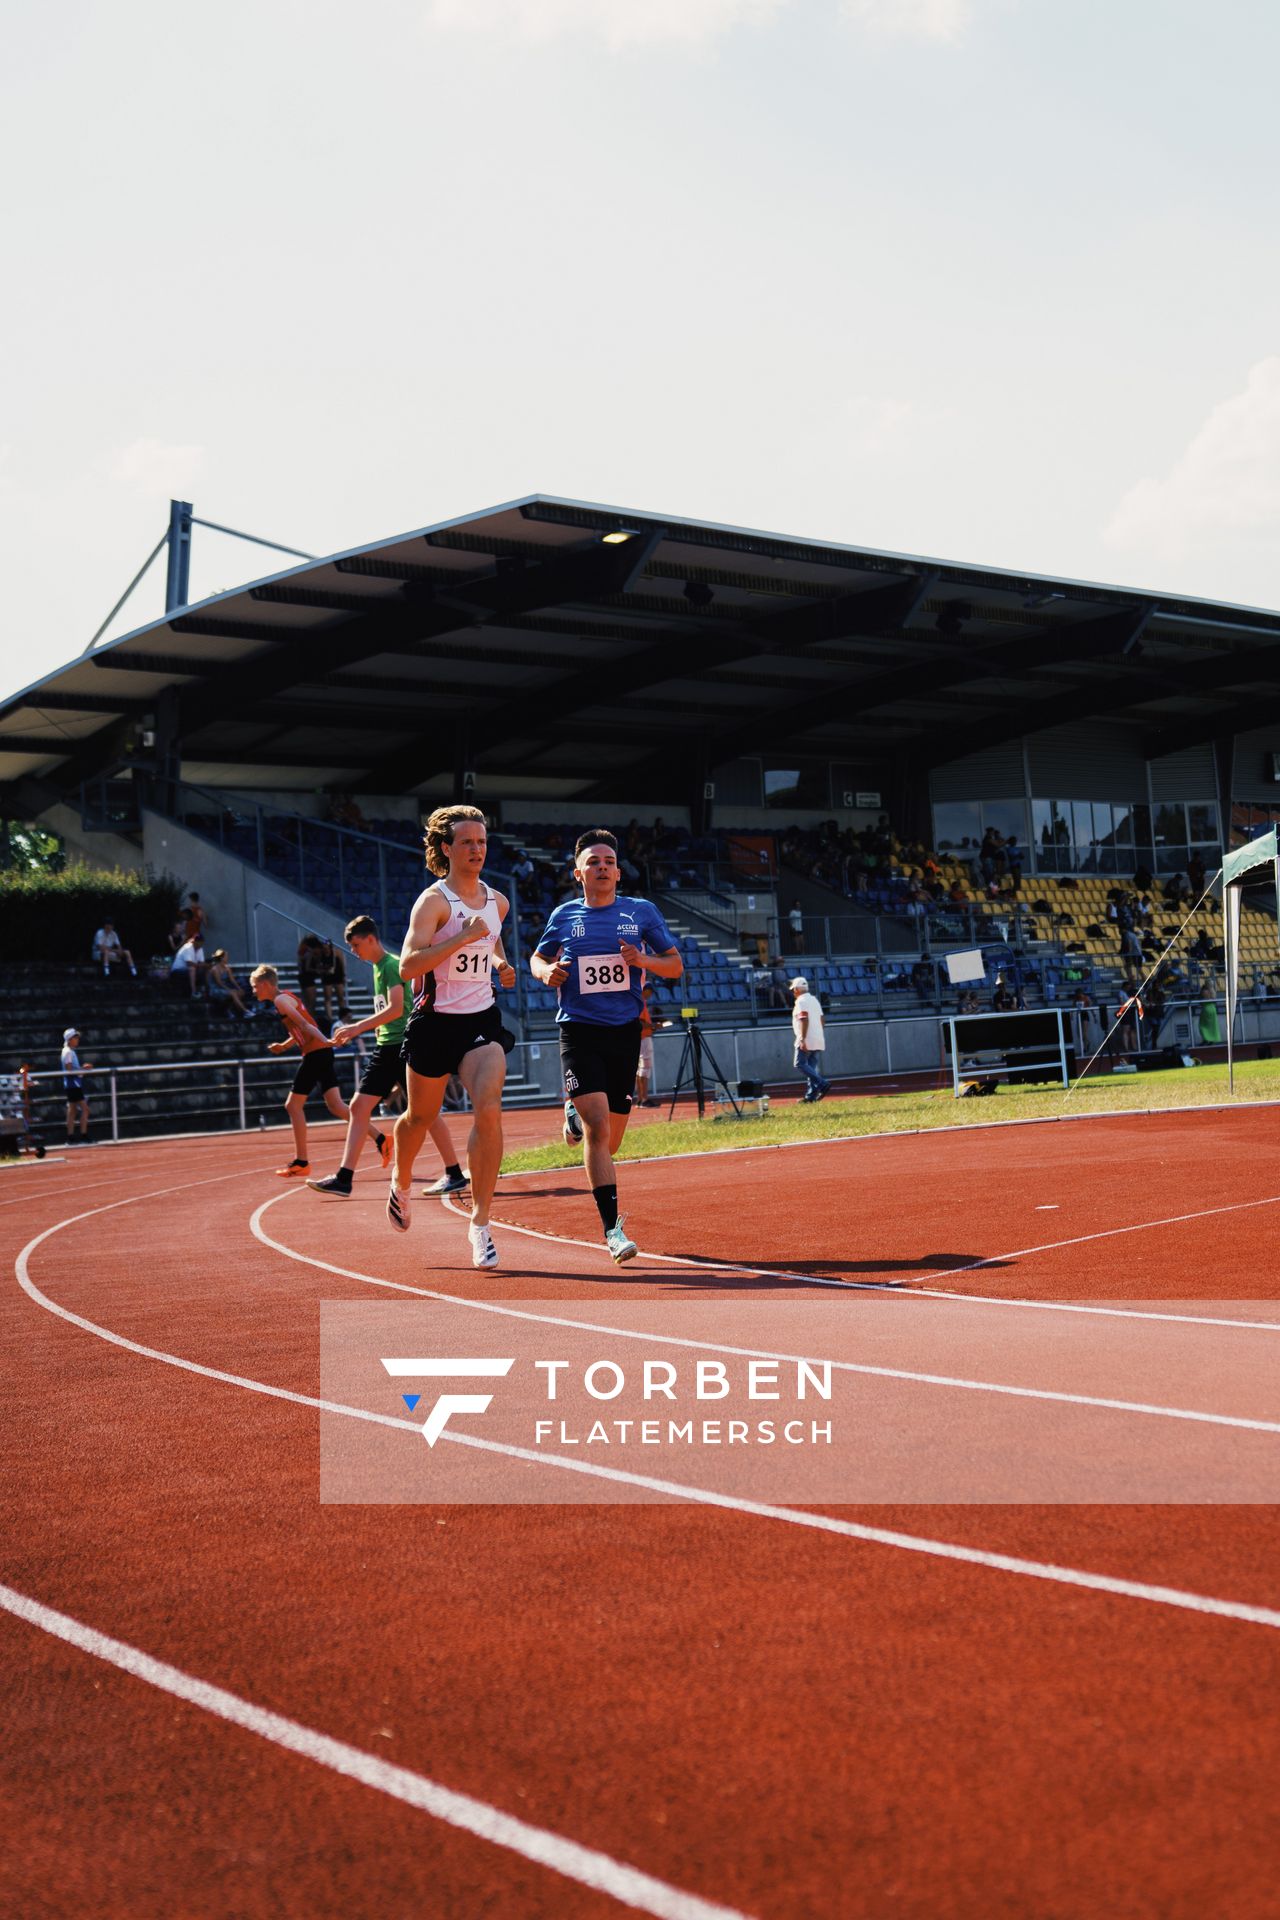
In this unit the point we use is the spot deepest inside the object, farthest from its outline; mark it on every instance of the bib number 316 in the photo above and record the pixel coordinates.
(602, 973)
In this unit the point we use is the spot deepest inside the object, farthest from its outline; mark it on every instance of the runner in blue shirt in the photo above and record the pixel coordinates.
(596, 952)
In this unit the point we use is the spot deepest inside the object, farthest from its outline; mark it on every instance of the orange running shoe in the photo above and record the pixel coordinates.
(296, 1170)
(387, 1148)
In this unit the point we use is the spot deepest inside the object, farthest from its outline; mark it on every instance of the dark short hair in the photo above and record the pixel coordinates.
(598, 837)
(360, 927)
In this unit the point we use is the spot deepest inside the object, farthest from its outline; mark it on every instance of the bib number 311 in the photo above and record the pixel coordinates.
(603, 973)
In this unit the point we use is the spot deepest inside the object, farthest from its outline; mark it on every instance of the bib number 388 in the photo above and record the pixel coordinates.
(603, 973)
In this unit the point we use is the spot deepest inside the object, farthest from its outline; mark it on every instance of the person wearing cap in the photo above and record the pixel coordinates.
(73, 1087)
(806, 1024)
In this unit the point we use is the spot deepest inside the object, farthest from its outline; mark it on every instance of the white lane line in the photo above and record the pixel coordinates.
(908, 1289)
(758, 1353)
(697, 1496)
(599, 1871)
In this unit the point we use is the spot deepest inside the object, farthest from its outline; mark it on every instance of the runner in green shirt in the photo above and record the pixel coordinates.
(383, 1073)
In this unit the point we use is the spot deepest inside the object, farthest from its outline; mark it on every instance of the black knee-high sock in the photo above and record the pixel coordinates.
(606, 1199)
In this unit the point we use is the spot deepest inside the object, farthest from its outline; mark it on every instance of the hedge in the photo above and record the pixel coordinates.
(54, 916)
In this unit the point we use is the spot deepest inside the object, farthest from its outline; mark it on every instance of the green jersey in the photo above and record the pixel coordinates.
(386, 975)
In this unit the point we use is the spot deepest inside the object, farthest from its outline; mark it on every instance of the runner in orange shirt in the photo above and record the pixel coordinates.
(316, 1069)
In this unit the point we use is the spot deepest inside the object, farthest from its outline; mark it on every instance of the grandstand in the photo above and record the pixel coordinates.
(767, 722)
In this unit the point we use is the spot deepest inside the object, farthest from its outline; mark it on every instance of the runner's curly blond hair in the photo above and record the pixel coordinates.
(439, 835)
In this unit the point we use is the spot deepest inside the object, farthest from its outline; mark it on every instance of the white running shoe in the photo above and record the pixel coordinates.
(483, 1251)
(620, 1246)
(572, 1125)
(398, 1202)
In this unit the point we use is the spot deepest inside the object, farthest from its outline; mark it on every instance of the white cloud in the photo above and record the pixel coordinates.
(1224, 485)
(911, 19)
(151, 466)
(617, 22)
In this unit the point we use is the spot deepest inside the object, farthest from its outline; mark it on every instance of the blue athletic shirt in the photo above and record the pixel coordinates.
(601, 988)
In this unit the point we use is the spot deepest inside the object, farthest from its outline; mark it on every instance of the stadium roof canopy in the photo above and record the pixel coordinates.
(563, 648)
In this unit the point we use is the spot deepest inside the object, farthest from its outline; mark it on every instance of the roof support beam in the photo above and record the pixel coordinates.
(1242, 716)
(684, 651)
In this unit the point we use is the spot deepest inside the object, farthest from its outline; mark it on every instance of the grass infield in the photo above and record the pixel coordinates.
(909, 1112)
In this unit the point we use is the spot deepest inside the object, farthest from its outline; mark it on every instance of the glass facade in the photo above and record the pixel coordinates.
(1086, 836)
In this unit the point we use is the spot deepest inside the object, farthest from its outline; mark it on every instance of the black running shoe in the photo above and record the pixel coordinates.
(447, 1183)
(334, 1184)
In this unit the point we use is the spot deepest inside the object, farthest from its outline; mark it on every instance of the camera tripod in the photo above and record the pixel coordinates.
(696, 1058)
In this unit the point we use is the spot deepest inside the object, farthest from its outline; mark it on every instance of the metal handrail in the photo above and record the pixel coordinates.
(284, 1062)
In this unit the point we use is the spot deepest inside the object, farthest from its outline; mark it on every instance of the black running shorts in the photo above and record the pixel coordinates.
(435, 1044)
(383, 1072)
(317, 1072)
(599, 1059)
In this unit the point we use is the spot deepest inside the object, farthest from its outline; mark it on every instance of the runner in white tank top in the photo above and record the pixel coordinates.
(463, 983)
(452, 956)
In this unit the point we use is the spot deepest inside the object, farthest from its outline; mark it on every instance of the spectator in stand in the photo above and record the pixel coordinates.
(1013, 858)
(331, 978)
(189, 960)
(178, 933)
(1177, 890)
(73, 1087)
(309, 970)
(344, 811)
(806, 1024)
(196, 919)
(108, 952)
(1196, 874)
(795, 920)
(223, 985)
(1130, 945)
(1142, 879)
(779, 983)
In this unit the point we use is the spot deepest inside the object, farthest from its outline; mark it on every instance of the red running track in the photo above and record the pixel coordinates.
(743, 1712)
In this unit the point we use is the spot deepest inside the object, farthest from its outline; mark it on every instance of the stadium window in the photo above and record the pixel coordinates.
(1008, 817)
(791, 787)
(1202, 824)
(1051, 833)
(956, 822)
(1082, 838)
(1141, 816)
(1170, 831)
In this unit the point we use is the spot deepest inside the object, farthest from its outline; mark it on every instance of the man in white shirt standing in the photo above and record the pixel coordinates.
(73, 1070)
(806, 1024)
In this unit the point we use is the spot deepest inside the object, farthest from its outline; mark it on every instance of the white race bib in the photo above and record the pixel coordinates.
(603, 973)
(471, 963)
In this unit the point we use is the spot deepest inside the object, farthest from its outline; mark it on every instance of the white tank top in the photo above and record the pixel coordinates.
(462, 983)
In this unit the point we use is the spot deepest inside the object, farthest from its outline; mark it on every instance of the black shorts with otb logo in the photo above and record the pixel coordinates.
(383, 1072)
(317, 1072)
(600, 1059)
(436, 1044)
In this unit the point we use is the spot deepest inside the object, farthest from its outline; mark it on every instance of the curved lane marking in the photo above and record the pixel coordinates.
(911, 1289)
(697, 1496)
(757, 1353)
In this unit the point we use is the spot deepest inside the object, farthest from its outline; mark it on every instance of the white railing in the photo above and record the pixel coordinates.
(272, 1088)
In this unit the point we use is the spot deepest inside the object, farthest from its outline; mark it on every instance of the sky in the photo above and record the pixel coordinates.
(989, 280)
